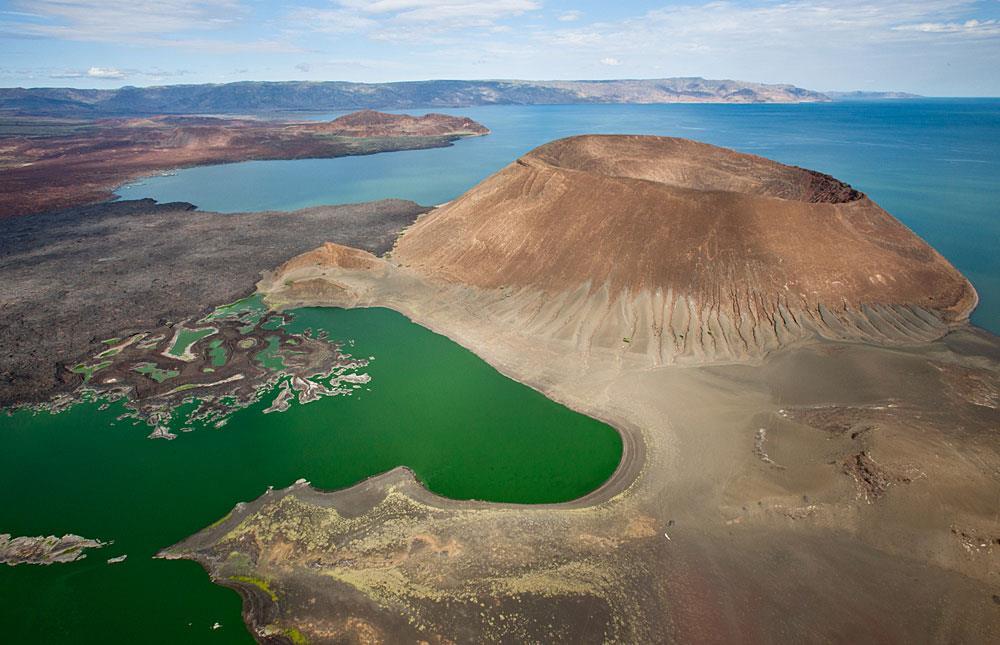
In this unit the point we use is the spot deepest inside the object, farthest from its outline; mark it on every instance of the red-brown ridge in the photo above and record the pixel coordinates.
(65, 164)
(369, 123)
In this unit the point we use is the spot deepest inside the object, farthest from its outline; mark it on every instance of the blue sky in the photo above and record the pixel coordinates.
(934, 47)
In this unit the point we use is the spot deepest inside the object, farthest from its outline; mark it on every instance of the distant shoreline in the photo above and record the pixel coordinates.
(253, 96)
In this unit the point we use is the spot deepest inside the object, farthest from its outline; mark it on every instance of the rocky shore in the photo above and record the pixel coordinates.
(45, 549)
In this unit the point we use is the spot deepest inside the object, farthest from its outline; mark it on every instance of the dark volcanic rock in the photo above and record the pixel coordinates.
(45, 549)
(75, 277)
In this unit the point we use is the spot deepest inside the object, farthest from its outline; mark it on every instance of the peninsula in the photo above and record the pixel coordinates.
(53, 164)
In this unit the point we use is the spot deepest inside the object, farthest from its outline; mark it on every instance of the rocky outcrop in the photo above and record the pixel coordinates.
(45, 549)
(369, 123)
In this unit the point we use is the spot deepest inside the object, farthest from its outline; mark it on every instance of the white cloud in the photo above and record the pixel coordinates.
(66, 74)
(328, 21)
(408, 20)
(140, 22)
(725, 26)
(123, 17)
(919, 45)
(105, 72)
(970, 27)
(113, 73)
(434, 10)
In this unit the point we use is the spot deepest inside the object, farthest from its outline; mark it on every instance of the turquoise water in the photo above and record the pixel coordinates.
(466, 431)
(934, 164)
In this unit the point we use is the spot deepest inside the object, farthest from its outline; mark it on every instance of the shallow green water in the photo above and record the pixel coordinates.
(467, 431)
(187, 337)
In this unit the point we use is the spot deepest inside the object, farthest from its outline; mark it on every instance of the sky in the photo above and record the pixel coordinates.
(931, 47)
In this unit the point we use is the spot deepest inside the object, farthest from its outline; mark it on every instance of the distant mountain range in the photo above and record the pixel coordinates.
(249, 97)
(253, 96)
(859, 95)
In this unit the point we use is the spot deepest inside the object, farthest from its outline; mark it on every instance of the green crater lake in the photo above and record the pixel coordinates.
(465, 429)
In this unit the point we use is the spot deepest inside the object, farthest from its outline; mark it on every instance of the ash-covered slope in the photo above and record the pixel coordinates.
(684, 251)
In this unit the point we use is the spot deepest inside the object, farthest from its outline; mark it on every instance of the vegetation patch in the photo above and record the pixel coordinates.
(263, 585)
(154, 372)
(88, 371)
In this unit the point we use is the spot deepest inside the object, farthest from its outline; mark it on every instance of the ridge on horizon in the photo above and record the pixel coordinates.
(244, 96)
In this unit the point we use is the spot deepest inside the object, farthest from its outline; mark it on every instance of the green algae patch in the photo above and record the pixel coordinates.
(155, 372)
(217, 353)
(250, 305)
(273, 323)
(117, 345)
(269, 357)
(184, 339)
(88, 371)
(294, 635)
(249, 311)
(257, 582)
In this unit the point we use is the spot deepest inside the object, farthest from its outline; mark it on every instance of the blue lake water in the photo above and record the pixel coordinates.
(934, 164)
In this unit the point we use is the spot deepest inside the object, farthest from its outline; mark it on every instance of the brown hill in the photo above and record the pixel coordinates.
(369, 123)
(682, 250)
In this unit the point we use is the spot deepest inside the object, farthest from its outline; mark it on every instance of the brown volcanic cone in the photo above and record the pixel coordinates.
(681, 249)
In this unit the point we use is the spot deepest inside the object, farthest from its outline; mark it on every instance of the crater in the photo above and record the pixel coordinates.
(683, 163)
